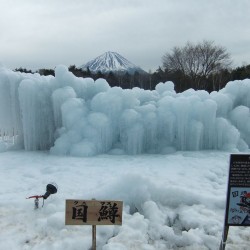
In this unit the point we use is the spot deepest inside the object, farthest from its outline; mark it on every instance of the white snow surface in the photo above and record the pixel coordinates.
(111, 62)
(173, 201)
(82, 117)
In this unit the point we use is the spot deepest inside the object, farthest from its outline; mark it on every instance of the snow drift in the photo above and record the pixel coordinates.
(174, 201)
(82, 117)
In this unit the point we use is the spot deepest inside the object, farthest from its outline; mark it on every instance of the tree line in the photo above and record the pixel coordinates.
(201, 66)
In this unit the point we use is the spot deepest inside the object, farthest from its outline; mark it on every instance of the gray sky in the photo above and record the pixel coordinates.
(44, 33)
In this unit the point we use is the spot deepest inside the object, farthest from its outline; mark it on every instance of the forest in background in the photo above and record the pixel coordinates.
(201, 66)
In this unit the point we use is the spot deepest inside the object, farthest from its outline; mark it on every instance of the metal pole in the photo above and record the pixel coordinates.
(36, 203)
(224, 238)
(94, 237)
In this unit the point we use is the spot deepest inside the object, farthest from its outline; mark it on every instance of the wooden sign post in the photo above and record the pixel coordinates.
(238, 195)
(93, 212)
(94, 237)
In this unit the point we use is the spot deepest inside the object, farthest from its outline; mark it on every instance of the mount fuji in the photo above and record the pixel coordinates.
(111, 61)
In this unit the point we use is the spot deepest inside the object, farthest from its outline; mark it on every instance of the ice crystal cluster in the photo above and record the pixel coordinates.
(82, 117)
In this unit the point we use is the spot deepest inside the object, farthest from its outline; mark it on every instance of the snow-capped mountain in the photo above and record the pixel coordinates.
(111, 61)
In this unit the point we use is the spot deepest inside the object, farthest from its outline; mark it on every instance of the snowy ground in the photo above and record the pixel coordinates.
(173, 201)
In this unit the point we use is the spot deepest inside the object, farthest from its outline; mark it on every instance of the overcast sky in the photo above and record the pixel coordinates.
(44, 33)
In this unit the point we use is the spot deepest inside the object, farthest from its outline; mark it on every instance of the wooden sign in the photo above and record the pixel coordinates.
(93, 212)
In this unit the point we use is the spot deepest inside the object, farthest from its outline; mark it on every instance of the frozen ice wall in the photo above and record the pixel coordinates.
(82, 117)
(9, 104)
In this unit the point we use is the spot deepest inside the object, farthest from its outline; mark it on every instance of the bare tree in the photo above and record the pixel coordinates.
(197, 61)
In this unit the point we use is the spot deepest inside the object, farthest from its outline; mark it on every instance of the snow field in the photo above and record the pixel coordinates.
(173, 201)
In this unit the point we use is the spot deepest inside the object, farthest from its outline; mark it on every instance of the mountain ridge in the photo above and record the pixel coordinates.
(111, 62)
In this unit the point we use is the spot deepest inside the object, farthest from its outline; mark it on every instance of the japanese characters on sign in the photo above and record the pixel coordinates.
(238, 198)
(93, 212)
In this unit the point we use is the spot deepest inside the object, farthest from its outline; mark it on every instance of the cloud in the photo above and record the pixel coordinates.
(45, 33)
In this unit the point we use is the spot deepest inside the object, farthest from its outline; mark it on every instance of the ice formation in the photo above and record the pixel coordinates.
(82, 117)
